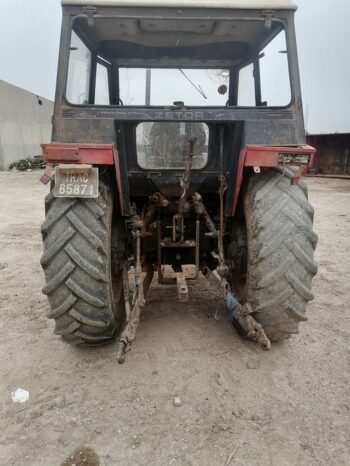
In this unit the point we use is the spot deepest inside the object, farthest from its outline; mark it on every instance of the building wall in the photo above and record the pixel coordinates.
(333, 153)
(24, 124)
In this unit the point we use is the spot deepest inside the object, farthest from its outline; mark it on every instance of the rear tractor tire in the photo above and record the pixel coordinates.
(278, 243)
(83, 282)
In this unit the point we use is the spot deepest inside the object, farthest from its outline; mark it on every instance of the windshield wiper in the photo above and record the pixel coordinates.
(198, 88)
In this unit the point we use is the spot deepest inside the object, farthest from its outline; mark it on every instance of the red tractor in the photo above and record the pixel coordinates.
(178, 139)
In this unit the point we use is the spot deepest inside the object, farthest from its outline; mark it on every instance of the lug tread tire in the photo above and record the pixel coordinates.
(77, 265)
(281, 245)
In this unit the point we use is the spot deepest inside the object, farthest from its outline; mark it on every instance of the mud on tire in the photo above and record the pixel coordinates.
(281, 244)
(85, 294)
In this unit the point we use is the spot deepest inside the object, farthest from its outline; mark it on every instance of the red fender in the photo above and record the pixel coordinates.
(267, 156)
(90, 154)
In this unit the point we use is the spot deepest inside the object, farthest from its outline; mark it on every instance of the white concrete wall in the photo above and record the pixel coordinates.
(24, 124)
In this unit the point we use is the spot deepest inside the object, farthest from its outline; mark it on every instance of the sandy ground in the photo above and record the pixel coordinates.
(240, 406)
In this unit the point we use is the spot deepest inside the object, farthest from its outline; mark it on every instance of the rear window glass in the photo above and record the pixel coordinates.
(164, 145)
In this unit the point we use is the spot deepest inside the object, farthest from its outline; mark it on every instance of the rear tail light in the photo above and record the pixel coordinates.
(294, 159)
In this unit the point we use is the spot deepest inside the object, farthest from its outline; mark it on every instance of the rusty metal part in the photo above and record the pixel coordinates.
(211, 277)
(223, 189)
(243, 314)
(198, 231)
(148, 279)
(138, 270)
(295, 180)
(168, 243)
(159, 200)
(223, 271)
(250, 327)
(138, 301)
(147, 217)
(161, 279)
(156, 201)
(178, 228)
(216, 280)
(182, 288)
(198, 204)
(126, 293)
(201, 211)
(185, 184)
(129, 333)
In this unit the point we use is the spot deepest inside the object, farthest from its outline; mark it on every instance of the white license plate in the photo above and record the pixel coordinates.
(76, 181)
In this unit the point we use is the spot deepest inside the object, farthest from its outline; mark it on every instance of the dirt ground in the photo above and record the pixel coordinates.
(240, 406)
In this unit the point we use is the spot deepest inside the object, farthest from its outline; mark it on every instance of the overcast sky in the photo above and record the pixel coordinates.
(29, 40)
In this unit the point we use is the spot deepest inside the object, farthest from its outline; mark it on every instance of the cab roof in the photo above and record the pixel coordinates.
(235, 4)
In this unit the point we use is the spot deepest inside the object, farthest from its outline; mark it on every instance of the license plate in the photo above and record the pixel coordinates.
(76, 181)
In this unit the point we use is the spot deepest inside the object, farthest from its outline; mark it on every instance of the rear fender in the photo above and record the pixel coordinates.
(87, 154)
(269, 156)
